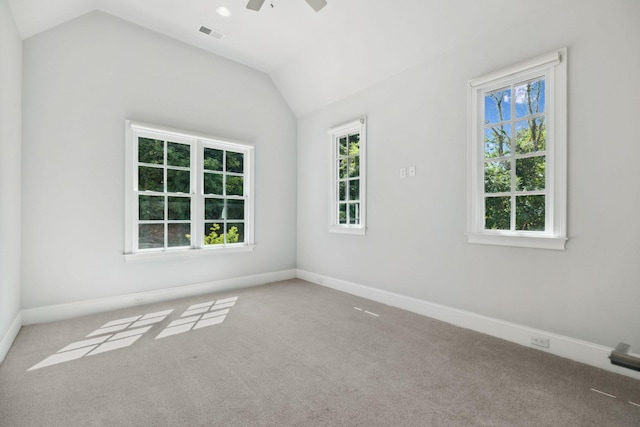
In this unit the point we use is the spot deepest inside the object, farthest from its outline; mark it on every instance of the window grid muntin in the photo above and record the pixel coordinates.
(513, 155)
(554, 66)
(224, 221)
(135, 131)
(354, 220)
(348, 205)
(165, 194)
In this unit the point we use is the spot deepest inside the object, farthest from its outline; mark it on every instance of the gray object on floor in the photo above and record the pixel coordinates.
(620, 356)
(296, 354)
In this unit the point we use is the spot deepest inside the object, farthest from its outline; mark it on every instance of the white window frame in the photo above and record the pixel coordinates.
(553, 67)
(356, 126)
(198, 142)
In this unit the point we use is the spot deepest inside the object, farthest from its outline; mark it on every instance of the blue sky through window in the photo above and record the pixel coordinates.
(497, 104)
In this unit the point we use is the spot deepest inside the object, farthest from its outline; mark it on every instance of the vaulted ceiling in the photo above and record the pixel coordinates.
(314, 58)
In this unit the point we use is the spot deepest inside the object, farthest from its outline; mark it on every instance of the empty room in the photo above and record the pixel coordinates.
(319, 213)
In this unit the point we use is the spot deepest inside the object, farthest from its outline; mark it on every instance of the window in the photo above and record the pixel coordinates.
(186, 193)
(347, 202)
(517, 155)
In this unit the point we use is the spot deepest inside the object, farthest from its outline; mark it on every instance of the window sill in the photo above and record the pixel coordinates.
(186, 253)
(361, 231)
(518, 240)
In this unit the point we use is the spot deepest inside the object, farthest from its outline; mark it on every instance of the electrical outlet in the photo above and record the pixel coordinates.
(540, 341)
(139, 300)
(403, 173)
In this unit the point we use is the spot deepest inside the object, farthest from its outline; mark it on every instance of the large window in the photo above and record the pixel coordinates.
(347, 203)
(518, 155)
(186, 193)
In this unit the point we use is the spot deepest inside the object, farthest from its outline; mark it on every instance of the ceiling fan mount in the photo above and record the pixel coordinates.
(315, 4)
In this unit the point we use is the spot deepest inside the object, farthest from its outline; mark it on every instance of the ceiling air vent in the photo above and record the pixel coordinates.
(212, 33)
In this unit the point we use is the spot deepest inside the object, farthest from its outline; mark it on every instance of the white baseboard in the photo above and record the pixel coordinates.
(54, 313)
(559, 345)
(10, 336)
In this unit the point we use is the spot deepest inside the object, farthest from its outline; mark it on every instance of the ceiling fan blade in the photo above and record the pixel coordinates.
(255, 4)
(317, 4)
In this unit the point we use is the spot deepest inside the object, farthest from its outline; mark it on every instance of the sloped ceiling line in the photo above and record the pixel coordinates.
(314, 58)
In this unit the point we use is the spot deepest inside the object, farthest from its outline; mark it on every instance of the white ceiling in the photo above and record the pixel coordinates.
(314, 58)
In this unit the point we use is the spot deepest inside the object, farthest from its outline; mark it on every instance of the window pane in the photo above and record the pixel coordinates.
(530, 173)
(213, 159)
(235, 232)
(354, 144)
(497, 213)
(235, 209)
(354, 213)
(179, 208)
(178, 154)
(213, 183)
(150, 179)
(150, 208)
(354, 166)
(178, 181)
(150, 151)
(342, 168)
(179, 235)
(150, 236)
(235, 185)
(497, 141)
(342, 146)
(497, 106)
(354, 189)
(530, 98)
(342, 191)
(531, 136)
(497, 177)
(235, 162)
(342, 213)
(530, 212)
(213, 233)
(213, 208)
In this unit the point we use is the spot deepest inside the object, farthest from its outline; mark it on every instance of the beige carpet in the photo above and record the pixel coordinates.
(294, 354)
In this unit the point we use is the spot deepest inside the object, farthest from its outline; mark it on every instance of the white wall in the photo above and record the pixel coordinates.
(81, 81)
(416, 243)
(10, 171)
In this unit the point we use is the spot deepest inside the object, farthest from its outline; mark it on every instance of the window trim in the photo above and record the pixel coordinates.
(198, 143)
(360, 126)
(553, 67)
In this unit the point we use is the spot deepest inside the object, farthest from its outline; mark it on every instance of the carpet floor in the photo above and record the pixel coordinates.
(294, 354)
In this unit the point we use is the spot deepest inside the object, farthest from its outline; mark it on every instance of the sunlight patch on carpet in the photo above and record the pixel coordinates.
(115, 334)
(122, 333)
(199, 316)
